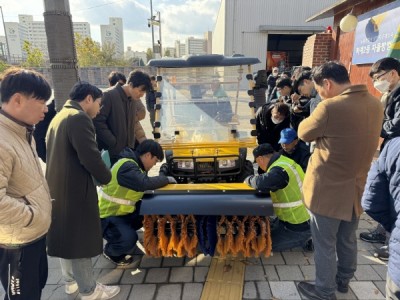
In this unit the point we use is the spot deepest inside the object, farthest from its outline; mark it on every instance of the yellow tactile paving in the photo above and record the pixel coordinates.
(225, 279)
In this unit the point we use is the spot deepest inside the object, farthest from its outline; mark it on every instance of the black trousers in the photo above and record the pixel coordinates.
(23, 271)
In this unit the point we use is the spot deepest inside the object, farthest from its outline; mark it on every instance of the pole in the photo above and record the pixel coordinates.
(159, 32)
(5, 34)
(152, 26)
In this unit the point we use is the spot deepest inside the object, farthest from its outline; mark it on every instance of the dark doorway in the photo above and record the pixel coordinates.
(291, 44)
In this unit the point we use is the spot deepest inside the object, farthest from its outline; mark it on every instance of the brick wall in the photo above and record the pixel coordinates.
(317, 49)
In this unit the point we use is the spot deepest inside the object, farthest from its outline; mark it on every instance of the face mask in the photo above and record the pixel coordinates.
(276, 121)
(278, 94)
(382, 86)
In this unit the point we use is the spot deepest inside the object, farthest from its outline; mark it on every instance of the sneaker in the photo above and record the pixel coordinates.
(123, 260)
(309, 292)
(71, 287)
(309, 246)
(342, 285)
(382, 253)
(102, 292)
(373, 237)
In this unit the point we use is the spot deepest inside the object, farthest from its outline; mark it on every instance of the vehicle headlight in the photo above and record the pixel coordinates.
(185, 164)
(226, 163)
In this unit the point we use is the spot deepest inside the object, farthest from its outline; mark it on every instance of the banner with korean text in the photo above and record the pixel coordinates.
(378, 34)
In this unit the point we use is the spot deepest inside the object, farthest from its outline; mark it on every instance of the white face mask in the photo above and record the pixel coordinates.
(275, 121)
(382, 86)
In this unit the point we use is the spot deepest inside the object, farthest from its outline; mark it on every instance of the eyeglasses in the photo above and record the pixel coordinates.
(379, 76)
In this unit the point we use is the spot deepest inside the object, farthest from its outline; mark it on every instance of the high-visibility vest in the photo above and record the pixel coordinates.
(116, 200)
(288, 202)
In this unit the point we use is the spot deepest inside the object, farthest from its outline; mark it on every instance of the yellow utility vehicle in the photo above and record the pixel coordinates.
(205, 121)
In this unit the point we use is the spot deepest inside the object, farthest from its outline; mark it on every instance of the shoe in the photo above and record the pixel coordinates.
(123, 260)
(71, 287)
(309, 246)
(102, 292)
(373, 237)
(342, 285)
(382, 253)
(308, 291)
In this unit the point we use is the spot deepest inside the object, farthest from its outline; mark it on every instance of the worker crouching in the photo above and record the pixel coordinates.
(283, 178)
(119, 201)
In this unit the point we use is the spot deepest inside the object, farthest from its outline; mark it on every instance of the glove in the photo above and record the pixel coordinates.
(171, 180)
(164, 170)
(247, 180)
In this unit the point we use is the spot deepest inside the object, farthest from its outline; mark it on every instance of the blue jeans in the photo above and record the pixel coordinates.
(120, 233)
(81, 271)
(286, 237)
(333, 238)
(392, 290)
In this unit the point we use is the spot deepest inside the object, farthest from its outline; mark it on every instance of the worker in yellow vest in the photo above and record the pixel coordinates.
(119, 200)
(283, 179)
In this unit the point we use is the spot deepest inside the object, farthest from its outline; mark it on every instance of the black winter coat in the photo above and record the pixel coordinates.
(267, 131)
(131, 175)
(301, 154)
(73, 160)
(391, 120)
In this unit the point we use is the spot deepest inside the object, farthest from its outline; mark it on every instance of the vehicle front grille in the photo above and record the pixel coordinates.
(205, 165)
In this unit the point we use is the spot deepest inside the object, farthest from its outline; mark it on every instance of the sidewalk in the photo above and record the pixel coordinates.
(275, 277)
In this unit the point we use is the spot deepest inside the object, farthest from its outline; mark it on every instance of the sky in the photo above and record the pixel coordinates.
(179, 18)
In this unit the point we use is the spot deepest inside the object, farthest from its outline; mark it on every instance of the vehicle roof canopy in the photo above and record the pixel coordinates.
(209, 60)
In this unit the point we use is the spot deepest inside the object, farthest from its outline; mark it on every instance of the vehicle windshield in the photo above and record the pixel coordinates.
(207, 105)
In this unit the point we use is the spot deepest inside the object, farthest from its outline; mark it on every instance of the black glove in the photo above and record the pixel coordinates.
(164, 170)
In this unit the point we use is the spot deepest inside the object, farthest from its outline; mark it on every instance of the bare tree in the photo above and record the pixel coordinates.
(61, 46)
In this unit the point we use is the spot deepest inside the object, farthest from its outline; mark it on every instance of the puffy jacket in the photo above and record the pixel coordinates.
(25, 203)
(381, 200)
(391, 120)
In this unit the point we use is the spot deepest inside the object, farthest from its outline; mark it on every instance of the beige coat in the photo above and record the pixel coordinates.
(346, 130)
(25, 204)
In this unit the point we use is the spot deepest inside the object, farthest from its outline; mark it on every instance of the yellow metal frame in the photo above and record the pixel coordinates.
(206, 187)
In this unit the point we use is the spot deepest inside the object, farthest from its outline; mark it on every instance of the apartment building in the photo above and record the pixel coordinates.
(113, 33)
(26, 29)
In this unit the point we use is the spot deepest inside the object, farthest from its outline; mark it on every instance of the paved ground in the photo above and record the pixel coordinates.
(275, 277)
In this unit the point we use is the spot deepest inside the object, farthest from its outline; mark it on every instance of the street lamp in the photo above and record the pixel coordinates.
(157, 22)
(159, 32)
(5, 34)
(150, 23)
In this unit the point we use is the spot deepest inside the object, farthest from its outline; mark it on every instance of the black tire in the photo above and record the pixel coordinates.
(247, 170)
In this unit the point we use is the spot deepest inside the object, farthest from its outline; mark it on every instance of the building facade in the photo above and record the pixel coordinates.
(129, 53)
(113, 34)
(273, 31)
(208, 38)
(195, 46)
(171, 51)
(180, 49)
(26, 29)
(384, 17)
